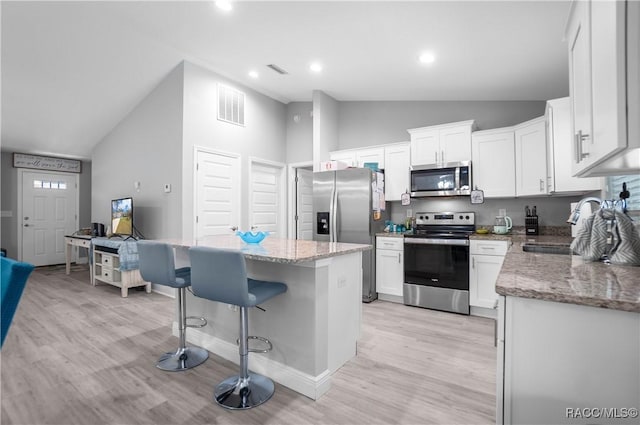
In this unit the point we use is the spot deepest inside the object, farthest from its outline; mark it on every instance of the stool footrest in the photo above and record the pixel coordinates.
(255, 350)
(202, 324)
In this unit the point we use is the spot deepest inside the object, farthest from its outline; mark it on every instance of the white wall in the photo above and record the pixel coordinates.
(263, 136)
(299, 132)
(146, 146)
(374, 123)
(325, 127)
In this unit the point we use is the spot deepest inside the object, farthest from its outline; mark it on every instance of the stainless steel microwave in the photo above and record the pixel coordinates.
(451, 179)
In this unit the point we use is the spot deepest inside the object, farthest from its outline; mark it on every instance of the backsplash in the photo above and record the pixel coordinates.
(552, 212)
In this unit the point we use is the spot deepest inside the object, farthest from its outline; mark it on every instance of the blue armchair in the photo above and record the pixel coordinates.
(14, 278)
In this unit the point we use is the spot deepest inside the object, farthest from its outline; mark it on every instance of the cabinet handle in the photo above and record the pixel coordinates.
(579, 138)
(436, 153)
(541, 185)
(473, 262)
(442, 156)
(399, 257)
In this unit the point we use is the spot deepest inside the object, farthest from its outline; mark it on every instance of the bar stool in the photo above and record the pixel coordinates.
(221, 275)
(157, 266)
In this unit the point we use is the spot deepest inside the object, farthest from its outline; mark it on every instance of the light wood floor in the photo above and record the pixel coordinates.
(77, 354)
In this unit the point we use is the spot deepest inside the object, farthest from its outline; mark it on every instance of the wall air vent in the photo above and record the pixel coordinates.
(277, 69)
(230, 105)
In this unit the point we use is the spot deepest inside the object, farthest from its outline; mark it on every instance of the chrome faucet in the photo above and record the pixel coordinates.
(575, 214)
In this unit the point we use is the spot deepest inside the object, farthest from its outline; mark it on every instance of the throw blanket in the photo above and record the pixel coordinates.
(591, 241)
(127, 250)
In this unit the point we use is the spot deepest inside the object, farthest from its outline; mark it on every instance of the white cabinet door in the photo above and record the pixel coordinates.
(425, 147)
(389, 265)
(370, 155)
(531, 158)
(596, 35)
(455, 144)
(608, 80)
(396, 172)
(493, 162)
(348, 157)
(482, 279)
(560, 153)
(579, 42)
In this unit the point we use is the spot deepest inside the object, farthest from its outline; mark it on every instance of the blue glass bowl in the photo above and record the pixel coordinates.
(252, 237)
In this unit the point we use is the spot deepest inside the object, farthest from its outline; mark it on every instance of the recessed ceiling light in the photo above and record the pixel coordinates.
(253, 74)
(315, 67)
(427, 57)
(224, 5)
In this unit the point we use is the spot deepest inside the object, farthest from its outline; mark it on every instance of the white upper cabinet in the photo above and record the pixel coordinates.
(600, 49)
(396, 172)
(347, 156)
(370, 155)
(531, 158)
(441, 144)
(493, 162)
(559, 152)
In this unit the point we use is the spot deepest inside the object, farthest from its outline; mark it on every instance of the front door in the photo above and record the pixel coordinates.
(49, 212)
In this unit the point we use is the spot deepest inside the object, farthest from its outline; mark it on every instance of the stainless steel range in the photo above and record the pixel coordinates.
(436, 261)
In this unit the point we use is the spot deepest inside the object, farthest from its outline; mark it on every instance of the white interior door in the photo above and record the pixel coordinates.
(267, 197)
(49, 212)
(304, 204)
(217, 193)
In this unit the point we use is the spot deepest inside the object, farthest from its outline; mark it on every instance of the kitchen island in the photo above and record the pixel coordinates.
(568, 339)
(314, 326)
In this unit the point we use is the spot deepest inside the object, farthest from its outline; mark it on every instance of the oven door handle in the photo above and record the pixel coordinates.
(429, 241)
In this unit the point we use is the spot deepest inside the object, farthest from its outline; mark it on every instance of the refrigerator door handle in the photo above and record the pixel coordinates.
(332, 216)
(335, 215)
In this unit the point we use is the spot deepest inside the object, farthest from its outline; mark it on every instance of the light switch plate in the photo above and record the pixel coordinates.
(167, 188)
(409, 213)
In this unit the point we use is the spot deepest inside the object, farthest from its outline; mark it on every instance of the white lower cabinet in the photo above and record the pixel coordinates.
(561, 363)
(389, 267)
(484, 266)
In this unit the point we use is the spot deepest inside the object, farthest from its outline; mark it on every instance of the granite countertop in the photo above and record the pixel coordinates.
(567, 278)
(274, 249)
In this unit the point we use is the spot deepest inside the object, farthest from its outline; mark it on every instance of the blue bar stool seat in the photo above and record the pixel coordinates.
(158, 266)
(221, 275)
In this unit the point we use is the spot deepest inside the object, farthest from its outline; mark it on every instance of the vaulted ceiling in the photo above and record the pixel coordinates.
(72, 70)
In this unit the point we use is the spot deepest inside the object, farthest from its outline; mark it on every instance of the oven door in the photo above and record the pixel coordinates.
(436, 274)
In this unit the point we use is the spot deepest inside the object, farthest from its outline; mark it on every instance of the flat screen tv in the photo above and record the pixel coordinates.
(122, 216)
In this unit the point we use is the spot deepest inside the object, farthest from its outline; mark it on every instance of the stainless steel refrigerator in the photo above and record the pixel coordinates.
(343, 211)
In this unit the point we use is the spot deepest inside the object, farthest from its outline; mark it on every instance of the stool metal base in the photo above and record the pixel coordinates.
(236, 393)
(183, 359)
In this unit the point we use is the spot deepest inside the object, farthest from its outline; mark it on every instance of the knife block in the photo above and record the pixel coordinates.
(531, 225)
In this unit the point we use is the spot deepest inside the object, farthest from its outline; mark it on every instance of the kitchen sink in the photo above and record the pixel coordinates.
(541, 248)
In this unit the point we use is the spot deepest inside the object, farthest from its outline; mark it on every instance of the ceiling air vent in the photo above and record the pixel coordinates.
(230, 105)
(277, 69)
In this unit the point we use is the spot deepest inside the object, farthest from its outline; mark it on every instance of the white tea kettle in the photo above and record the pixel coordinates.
(502, 225)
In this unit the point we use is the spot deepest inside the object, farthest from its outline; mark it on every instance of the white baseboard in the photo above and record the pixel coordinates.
(311, 386)
(391, 298)
(489, 313)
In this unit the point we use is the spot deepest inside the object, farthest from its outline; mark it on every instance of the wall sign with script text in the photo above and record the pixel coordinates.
(22, 160)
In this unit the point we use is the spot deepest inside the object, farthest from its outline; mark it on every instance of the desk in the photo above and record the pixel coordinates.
(78, 240)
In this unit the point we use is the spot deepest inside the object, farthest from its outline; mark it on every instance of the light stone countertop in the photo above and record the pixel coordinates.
(275, 250)
(391, 234)
(567, 278)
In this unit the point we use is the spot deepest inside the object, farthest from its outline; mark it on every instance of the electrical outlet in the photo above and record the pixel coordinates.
(167, 188)
(409, 213)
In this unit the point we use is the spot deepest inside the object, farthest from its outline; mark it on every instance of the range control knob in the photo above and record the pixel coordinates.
(467, 217)
(460, 217)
